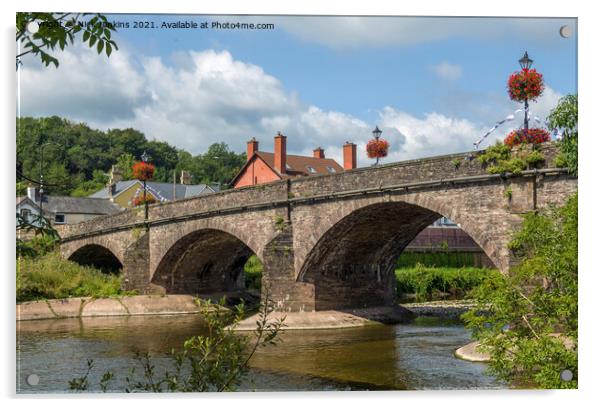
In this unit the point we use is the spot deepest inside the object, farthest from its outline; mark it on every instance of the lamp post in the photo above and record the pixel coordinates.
(145, 157)
(525, 63)
(41, 163)
(376, 133)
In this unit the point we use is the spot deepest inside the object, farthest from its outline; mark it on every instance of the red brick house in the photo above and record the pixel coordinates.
(262, 167)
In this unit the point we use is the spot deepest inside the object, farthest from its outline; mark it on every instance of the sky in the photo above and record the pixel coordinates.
(434, 85)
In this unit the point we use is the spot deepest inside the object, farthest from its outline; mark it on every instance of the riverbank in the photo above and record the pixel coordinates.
(114, 306)
(441, 309)
(185, 304)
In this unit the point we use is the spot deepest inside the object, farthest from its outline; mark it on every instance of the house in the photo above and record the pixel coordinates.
(62, 209)
(123, 192)
(262, 167)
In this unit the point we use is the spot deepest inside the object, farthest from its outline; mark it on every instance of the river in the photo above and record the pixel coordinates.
(418, 355)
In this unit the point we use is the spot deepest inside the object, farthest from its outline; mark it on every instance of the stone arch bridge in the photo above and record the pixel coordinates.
(326, 242)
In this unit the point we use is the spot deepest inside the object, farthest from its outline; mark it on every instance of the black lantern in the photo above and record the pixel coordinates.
(377, 132)
(525, 62)
(145, 157)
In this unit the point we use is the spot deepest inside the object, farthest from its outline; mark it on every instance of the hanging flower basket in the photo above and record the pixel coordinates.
(377, 148)
(139, 200)
(530, 136)
(143, 171)
(526, 84)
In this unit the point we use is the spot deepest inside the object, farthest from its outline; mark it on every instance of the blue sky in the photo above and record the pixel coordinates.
(433, 84)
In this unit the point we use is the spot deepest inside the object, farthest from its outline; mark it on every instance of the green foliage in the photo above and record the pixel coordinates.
(565, 117)
(86, 188)
(60, 30)
(456, 162)
(508, 192)
(77, 159)
(528, 319)
(51, 276)
(44, 237)
(279, 223)
(501, 159)
(435, 259)
(495, 154)
(429, 282)
(253, 271)
(217, 361)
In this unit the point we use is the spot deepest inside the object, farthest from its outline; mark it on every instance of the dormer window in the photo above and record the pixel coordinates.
(331, 169)
(311, 170)
(288, 167)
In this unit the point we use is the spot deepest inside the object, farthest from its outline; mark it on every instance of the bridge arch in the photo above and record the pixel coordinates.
(204, 261)
(351, 255)
(96, 255)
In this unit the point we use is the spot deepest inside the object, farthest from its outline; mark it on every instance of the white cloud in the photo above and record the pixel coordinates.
(210, 96)
(354, 32)
(447, 71)
(431, 135)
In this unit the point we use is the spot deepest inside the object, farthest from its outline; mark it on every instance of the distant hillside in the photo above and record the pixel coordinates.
(76, 158)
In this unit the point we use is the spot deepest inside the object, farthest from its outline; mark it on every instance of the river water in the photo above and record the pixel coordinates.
(418, 355)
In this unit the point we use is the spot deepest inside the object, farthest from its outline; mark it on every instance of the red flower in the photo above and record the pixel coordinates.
(530, 136)
(526, 84)
(377, 148)
(143, 171)
(139, 200)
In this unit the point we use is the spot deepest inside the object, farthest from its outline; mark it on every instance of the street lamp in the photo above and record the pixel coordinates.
(42, 174)
(525, 63)
(376, 132)
(145, 157)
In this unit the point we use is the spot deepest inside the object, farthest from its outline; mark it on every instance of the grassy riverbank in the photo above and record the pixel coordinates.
(50, 276)
(426, 283)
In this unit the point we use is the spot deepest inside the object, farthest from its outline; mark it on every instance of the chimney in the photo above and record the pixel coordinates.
(33, 193)
(349, 156)
(319, 152)
(252, 147)
(186, 178)
(280, 153)
(114, 177)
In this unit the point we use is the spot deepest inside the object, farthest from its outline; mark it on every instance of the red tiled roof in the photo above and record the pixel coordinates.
(299, 165)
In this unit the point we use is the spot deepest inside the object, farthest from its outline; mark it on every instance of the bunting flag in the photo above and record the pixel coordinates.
(556, 134)
(508, 118)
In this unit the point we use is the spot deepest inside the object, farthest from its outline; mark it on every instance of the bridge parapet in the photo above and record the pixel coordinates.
(264, 195)
(403, 172)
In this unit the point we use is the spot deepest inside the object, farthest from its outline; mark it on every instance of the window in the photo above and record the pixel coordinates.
(311, 170)
(26, 214)
(59, 218)
(288, 167)
(331, 170)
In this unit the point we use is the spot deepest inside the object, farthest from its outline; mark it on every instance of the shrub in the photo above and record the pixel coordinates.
(425, 282)
(253, 271)
(51, 276)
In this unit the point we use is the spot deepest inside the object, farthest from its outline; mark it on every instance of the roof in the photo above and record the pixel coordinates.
(71, 204)
(25, 200)
(163, 191)
(297, 165)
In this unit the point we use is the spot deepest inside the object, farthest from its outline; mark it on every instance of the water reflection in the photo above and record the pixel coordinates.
(409, 356)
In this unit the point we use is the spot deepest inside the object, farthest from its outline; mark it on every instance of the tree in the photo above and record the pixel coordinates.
(565, 117)
(218, 164)
(527, 320)
(61, 29)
